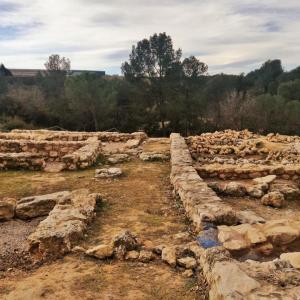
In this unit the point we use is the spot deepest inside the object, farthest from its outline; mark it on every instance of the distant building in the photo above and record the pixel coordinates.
(27, 73)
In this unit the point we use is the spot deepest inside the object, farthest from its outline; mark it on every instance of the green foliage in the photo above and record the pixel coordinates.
(290, 90)
(161, 92)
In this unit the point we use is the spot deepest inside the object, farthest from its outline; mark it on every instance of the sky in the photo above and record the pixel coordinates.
(231, 36)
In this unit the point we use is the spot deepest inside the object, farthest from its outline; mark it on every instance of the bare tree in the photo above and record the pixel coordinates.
(57, 63)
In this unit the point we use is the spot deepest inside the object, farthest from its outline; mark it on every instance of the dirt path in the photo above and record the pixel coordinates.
(140, 201)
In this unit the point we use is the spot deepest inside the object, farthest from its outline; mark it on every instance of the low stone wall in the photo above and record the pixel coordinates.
(200, 202)
(83, 157)
(75, 155)
(221, 171)
(50, 149)
(50, 135)
(23, 160)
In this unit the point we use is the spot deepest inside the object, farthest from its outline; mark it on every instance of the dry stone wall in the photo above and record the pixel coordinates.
(200, 202)
(50, 135)
(35, 149)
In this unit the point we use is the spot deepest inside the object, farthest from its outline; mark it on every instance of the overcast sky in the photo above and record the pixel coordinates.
(231, 36)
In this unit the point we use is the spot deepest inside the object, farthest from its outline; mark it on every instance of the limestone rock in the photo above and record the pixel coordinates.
(118, 158)
(290, 192)
(256, 191)
(133, 143)
(54, 167)
(274, 199)
(78, 249)
(187, 262)
(225, 278)
(65, 225)
(126, 240)
(102, 251)
(132, 255)
(265, 180)
(188, 273)
(108, 173)
(232, 240)
(36, 206)
(235, 189)
(293, 258)
(282, 234)
(194, 249)
(151, 156)
(145, 256)
(168, 255)
(265, 249)
(7, 209)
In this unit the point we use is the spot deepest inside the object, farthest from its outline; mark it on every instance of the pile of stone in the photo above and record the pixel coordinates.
(271, 194)
(278, 138)
(287, 156)
(262, 238)
(126, 246)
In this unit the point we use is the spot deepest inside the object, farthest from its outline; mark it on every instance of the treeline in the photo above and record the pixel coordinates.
(159, 92)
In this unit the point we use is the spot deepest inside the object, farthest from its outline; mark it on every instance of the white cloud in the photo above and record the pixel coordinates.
(231, 36)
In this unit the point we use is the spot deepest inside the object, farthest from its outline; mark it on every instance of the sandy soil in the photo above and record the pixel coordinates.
(140, 201)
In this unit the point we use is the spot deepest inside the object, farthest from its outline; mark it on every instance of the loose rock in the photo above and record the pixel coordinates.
(102, 251)
(108, 173)
(274, 199)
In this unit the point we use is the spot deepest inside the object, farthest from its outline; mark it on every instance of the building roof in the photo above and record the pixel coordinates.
(34, 72)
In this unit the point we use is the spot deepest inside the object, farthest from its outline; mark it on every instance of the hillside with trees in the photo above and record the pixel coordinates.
(160, 92)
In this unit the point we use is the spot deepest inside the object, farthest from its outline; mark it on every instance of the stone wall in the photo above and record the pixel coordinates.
(34, 149)
(200, 202)
(49, 149)
(50, 135)
(247, 171)
(23, 160)
(34, 155)
(83, 157)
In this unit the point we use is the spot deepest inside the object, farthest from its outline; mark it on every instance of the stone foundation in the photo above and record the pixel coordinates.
(200, 202)
(36, 149)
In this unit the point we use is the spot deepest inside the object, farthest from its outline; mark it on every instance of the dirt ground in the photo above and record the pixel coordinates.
(141, 201)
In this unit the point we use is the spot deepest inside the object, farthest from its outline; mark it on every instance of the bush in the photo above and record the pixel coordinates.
(10, 123)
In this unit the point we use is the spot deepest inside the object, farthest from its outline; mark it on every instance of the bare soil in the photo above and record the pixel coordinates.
(141, 201)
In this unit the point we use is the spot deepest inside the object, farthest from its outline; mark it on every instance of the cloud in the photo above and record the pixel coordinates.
(229, 35)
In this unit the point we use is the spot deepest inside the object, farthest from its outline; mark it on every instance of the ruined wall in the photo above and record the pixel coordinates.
(50, 135)
(34, 149)
(200, 202)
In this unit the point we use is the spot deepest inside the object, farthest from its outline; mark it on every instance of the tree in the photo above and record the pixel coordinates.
(56, 63)
(268, 73)
(151, 63)
(91, 100)
(290, 90)
(192, 69)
